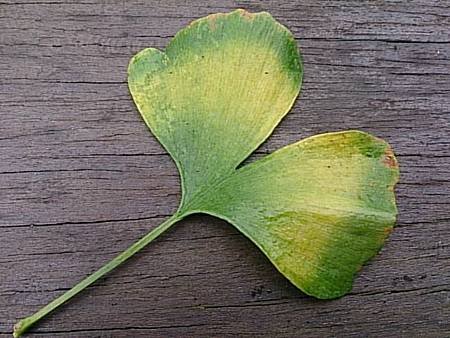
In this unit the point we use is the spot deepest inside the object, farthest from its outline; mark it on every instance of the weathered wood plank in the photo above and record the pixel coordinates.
(81, 179)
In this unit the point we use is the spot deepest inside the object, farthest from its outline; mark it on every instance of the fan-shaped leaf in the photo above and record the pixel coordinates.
(217, 92)
(318, 209)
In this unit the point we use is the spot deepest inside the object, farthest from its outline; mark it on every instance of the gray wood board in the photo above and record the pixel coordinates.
(81, 178)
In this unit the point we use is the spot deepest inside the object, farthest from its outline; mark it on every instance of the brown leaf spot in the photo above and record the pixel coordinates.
(389, 159)
(212, 20)
(387, 231)
(245, 14)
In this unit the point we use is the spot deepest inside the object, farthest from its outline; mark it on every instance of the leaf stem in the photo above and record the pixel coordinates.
(22, 326)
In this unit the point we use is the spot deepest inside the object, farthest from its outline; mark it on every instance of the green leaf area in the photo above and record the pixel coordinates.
(319, 208)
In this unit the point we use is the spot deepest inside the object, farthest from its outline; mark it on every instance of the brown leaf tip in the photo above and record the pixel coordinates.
(389, 159)
(212, 20)
(387, 231)
(246, 14)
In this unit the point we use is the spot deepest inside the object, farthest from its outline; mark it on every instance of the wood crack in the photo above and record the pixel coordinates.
(84, 222)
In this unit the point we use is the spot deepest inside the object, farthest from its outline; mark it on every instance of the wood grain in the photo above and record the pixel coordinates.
(81, 178)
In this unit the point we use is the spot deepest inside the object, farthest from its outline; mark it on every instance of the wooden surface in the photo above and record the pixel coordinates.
(81, 178)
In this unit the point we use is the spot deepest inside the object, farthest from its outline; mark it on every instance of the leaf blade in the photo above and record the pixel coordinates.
(204, 104)
(210, 124)
(318, 209)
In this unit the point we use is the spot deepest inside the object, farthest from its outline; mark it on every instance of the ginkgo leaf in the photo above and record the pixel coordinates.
(318, 209)
(217, 93)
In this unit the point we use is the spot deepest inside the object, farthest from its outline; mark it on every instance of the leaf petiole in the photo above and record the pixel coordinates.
(23, 325)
